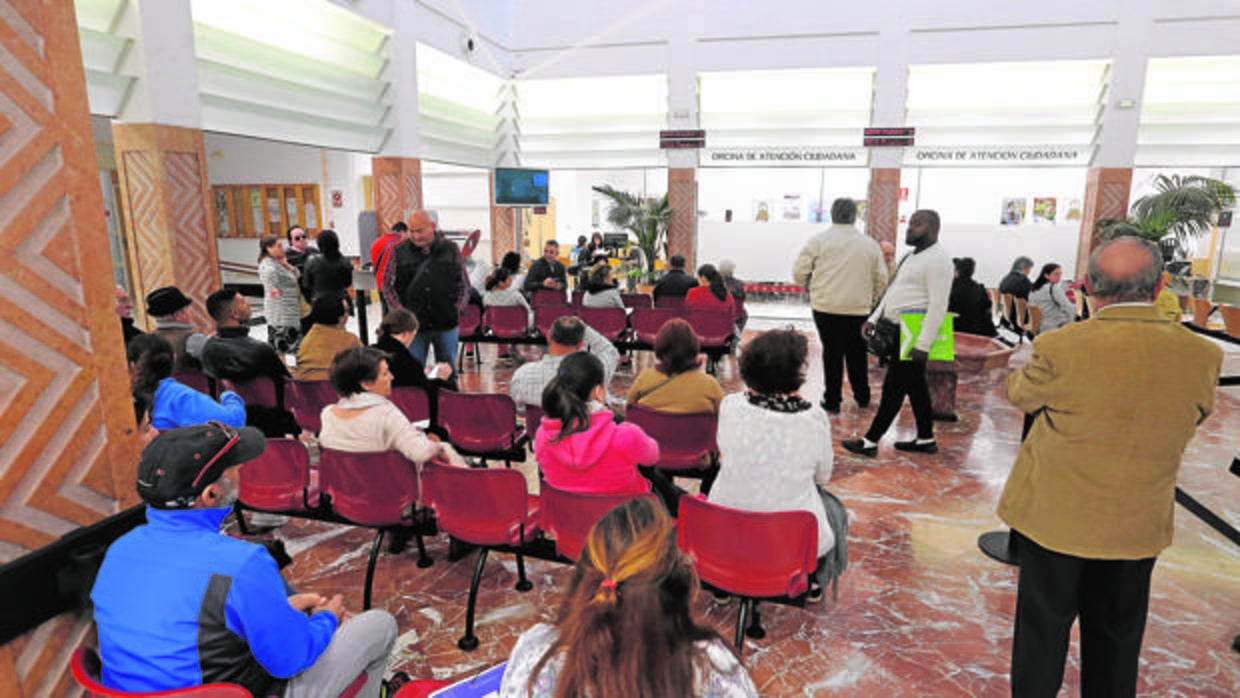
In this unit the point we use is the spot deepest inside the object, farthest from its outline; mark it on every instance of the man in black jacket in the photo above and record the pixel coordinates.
(423, 276)
(546, 272)
(675, 282)
(1017, 285)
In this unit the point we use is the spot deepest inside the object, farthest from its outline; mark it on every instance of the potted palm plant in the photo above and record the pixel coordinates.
(1180, 210)
(645, 218)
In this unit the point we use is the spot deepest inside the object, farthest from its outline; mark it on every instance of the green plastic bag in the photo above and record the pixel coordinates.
(944, 346)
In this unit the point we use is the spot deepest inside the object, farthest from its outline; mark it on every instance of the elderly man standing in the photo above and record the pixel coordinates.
(923, 283)
(423, 276)
(843, 270)
(1115, 401)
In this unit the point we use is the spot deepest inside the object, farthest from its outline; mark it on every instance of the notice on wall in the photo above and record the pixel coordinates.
(784, 156)
(1007, 155)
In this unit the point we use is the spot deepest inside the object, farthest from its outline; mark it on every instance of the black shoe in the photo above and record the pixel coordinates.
(863, 404)
(858, 447)
(830, 407)
(815, 593)
(932, 447)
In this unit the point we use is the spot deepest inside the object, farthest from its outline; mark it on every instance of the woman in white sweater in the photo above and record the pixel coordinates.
(281, 295)
(501, 291)
(601, 288)
(364, 420)
(1057, 310)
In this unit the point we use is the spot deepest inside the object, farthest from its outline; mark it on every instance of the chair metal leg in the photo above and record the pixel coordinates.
(470, 641)
(742, 614)
(241, 525)
(755, 629)
(523, 584)
(370, 568)
(424, 560)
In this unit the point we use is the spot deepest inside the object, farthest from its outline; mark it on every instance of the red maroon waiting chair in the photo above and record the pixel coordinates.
(414, 402)
(671, 302)
(546, 315)
(647, 322)
(469, 326)
(377, 490)
(754, 555)
(687, 446)
(307, 399)
(87, 669)
(637, 300)
(569, 516)
(715, 330)
(260, 390)
(483, 425)
(507, 321)
(609, 322)
(488, 508)
(547, 296)
(279, 481)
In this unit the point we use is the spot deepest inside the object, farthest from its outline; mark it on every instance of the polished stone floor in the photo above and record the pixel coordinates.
(921, 612)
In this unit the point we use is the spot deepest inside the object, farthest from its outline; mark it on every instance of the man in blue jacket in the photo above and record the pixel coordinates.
(177, 604)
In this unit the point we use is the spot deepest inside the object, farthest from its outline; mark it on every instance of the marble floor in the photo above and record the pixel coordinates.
(921, 612)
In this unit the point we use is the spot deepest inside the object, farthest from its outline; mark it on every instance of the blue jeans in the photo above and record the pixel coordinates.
(444, 341)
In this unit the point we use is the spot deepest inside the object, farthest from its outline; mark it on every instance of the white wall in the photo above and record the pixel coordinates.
(460, 197)
(576, 203)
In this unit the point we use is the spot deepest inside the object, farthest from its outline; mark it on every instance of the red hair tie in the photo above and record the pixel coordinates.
(607, 583)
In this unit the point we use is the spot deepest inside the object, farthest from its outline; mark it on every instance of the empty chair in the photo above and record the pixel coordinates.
(569, 516)
(1035, 320)
(646, 322)
(469, 324)
(749, 554)
(670, 302)
(487, 508)
(260, 390)
(482, 425)
(609, 322)
(687, 445)
(546, 315)
(376, 490)
(533, 420)
(414, 402)
(637, 300)
(279, 481)
(507, 321)
(578, 294)
(87, 669)
(307, 400)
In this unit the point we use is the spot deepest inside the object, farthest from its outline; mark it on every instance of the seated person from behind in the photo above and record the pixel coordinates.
(568, 334)
(579, 446)
(676, 282)
(626, 626)
(326, 338)
(365, 420)
(500, 291)
(602, 291)
(970, 302)
(775, 446)
(736, 287)
(170, 308)
(173, 405)
(1017, 285)
(396, 333)
(1057, 310)
(711, 293)
(179, 604)
(676, 383)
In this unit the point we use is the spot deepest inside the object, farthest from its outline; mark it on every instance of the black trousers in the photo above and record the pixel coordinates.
(903, 378)
(1111, 597)
(842, 344)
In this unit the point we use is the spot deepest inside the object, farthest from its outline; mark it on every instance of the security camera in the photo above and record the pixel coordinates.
(469, 44)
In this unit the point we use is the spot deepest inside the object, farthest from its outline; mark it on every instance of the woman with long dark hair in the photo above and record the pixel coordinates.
(711, 293)
(329, 273)
(1057, 310)
(396, 333)
(281, 294)
(579, 445)
(173, 405)
(626, 627)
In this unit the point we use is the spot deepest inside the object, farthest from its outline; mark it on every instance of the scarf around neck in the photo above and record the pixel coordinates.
(778, 403)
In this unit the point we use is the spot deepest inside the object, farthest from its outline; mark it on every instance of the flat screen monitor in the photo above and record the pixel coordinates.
(615, 240)
(518, 187)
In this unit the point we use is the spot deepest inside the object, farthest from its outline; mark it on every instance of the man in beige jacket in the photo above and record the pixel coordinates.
(1090, 500)
(843, 270)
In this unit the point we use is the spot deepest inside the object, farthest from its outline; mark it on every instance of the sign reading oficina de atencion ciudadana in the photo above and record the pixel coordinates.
(1009, 155)
(785, 156)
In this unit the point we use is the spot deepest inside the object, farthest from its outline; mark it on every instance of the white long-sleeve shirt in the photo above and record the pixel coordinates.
(922, 283)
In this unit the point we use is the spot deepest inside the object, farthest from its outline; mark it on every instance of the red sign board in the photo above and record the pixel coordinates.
(886, 141)
(683, 138)
(906, 131)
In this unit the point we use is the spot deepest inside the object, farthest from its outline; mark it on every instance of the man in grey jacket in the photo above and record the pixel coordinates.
(843, 270)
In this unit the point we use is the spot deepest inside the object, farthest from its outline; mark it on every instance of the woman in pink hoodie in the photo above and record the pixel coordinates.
(579, 445)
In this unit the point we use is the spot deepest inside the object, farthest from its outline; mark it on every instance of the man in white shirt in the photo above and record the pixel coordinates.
(843, 270)
(923, 284)
(568, 334)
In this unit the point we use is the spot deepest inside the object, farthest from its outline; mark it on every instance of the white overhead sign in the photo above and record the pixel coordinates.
(989, 155)
(784, 156)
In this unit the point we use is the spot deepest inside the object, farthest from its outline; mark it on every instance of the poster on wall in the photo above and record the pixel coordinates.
(1044, 209)
(815, 213)
(863, 208)
(792, 207)
(1074, 210)
(1013, 211)
(273, 209)
(762, 210)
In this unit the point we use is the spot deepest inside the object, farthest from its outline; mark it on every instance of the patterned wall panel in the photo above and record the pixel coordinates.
(682, 229)
(65, 455)
(143, 181)
(883, 215)
(397, 187)
(196, 258)
(1106, 196)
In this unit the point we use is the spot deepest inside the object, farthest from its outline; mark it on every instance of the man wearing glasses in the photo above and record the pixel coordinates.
(178, 604)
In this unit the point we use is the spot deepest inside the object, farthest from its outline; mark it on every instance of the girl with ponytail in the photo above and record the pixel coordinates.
(579, 445)
(626, 628)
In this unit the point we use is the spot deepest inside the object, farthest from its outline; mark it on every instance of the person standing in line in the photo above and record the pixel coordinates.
(423, 275)
(843, 270)
(379, 251)
(922, 284)
(1091, 497)
(281, 294)
(328, 274)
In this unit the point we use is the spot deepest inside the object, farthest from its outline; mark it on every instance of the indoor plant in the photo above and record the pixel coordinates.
(1182, 208)
(646, 219)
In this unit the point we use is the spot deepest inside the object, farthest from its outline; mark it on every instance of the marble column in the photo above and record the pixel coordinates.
(883, 215)
(67, 452)
(503, 226)
(682, 229)
(398, 189)
(165, 201)
(1106, 196)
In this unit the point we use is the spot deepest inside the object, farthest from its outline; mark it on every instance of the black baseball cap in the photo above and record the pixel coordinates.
(180, 463)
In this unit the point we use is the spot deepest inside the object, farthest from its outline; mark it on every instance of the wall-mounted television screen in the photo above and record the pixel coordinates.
(518, 187)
